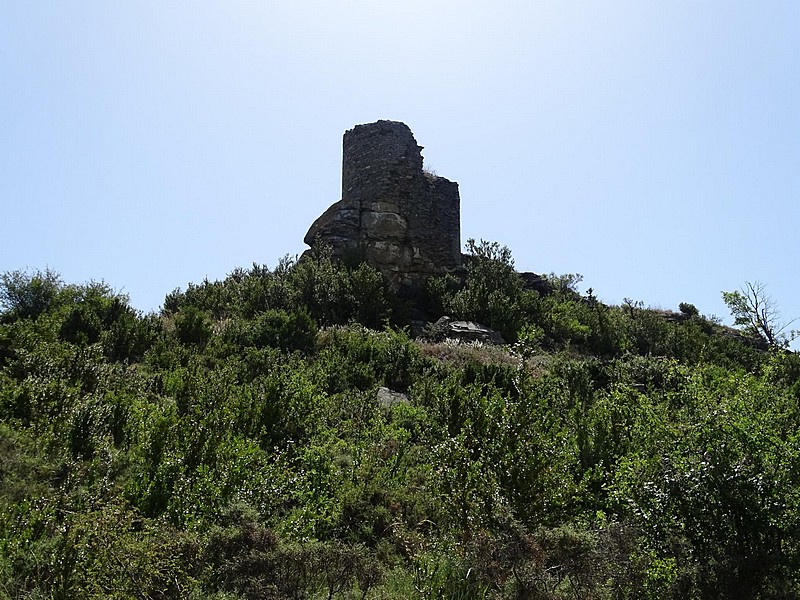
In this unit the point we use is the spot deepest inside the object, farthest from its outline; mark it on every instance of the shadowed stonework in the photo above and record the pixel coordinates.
(406, 222)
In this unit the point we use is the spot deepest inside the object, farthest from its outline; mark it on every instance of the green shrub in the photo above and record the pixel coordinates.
(492, 293)
(288, 331)
(252, 561)
(26, 295)
(192, 326)
(336, 293)
(357, 358)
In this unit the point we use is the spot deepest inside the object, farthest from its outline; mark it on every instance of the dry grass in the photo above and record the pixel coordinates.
(456, 353)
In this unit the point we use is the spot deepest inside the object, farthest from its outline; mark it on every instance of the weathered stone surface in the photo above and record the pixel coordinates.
(384, 225)
(405, 222)
(341, 221)
(389, 397)
(467, 331)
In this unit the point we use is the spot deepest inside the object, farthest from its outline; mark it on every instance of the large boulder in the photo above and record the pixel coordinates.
(466, 331)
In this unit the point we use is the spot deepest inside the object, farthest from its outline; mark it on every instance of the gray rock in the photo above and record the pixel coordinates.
(384, 225)
(388, 397)
(467, 331)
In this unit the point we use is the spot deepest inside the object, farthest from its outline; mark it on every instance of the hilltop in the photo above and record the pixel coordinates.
(283, 434)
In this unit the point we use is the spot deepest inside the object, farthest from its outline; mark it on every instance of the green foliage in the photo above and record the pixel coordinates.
(566, 320)
(251, 561)
(96, 313)
(243, 293)
(331, 291)
(192, 326)
(757, 314)
(356, 358)
(287, 331)
(26, 295)
(493, 293)
(238, 445)
(336, 293)
(714, 498)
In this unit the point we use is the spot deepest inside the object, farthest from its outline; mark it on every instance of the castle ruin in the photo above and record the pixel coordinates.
(402, 220)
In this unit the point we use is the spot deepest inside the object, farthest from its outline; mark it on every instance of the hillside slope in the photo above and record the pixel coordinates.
(239, 444)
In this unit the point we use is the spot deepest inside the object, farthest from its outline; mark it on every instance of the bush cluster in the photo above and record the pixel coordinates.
(240, 445)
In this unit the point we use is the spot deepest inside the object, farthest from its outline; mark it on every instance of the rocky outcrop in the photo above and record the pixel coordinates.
(464, 331)
(402, 220)
(387, 397)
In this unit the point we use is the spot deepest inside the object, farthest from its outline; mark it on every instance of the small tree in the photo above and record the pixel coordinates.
(758, 314)
(493, 292)
(27, 295)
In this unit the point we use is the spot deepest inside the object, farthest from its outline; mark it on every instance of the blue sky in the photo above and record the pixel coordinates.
(653, 147)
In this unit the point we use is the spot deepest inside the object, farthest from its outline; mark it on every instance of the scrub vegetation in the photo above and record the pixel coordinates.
(234, 446)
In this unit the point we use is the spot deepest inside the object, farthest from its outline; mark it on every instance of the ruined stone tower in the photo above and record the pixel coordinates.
(406, 222)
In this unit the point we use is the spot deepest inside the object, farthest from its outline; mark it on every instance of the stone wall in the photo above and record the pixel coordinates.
(406, 222)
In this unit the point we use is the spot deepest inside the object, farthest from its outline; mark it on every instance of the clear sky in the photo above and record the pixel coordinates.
(653, 147)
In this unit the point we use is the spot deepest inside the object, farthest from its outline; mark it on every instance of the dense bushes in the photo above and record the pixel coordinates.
(331, 292)
(492, 293)
(237, 445)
